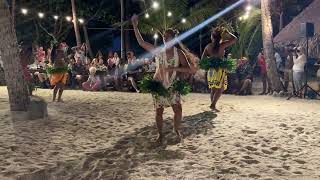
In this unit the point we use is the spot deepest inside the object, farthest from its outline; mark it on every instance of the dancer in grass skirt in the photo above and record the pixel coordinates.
(171, 62)
(217, 77)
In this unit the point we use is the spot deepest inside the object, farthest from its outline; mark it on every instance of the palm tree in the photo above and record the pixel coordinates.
(267, 34)
(250, 34)
(171, 13)
(75, 22)
(18, 93)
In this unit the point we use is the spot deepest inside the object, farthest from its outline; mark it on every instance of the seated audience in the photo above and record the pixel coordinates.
(78, 72)
(93, 83)
(245, 77)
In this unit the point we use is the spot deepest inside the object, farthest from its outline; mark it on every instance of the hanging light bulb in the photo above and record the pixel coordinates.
(55, 17)
(169, 14)
(183, 20)
(81, 21)
(249, 8)
(68, 18)
(147, 15)
(155, 5)
(24, 11)
(41, 15)
(155, 36)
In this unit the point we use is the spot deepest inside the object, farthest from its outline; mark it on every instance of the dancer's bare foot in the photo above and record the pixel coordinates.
(60, 100)
(213, 108)
(179, 136)
(159, 139)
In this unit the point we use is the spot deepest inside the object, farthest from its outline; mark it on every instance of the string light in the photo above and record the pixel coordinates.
(68, 18)
(183, 20)
(249, 8)
(24, 11)
(55, 17)
(155, 5)
(81, 21)
(155, 36)
(41, 15)
(147, 15)
(169, 14)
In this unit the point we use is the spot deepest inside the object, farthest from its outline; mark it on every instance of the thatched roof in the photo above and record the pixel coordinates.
(291, 33)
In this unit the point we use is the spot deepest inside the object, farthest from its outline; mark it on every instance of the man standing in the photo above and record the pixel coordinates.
(288, 68)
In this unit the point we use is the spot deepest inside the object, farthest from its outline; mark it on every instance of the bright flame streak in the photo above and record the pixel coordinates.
(195, 29)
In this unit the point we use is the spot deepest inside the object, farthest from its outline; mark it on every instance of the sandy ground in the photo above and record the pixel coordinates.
(108, 135)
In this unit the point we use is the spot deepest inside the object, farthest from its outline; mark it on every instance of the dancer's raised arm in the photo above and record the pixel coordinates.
(145, 45)
(229, 42)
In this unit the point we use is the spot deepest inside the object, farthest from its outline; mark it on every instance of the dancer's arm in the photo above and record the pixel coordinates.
(184, 65)
(145, 45)
(229, 42)
(205, 52)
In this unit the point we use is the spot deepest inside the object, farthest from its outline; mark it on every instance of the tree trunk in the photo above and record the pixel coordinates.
(281, 21)
(123, 53)
(16, 84)
(75, 22)
(13, 13)
(267, 35)
(86, 37)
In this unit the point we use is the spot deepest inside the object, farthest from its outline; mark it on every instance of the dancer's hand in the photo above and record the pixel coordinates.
(135, 20)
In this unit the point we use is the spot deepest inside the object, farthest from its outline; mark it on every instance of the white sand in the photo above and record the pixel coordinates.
(108, 135)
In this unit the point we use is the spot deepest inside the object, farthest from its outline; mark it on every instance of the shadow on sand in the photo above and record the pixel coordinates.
(118, 161)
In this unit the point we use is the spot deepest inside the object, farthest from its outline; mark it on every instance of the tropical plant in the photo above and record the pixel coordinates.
(47, 30)
(249, 40)
(159, 20)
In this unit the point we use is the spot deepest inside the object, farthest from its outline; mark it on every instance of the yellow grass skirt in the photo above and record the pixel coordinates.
(217, 78)
(58, 78)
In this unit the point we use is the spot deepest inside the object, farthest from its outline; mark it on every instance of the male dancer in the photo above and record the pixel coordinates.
(170, 61)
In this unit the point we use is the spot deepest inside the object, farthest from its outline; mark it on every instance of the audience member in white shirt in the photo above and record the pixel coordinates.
(299, 63)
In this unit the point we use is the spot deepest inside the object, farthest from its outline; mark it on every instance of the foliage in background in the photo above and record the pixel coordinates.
(250, 36)
(45, 31)
(159, 20)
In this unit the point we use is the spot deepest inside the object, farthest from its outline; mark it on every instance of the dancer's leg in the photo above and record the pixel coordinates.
(159, 123)
(264, 84)
(61, 88)
(55, 91)
(216, 97)
(133, 83)
(177, 109)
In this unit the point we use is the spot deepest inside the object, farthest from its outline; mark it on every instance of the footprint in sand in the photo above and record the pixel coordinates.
(249, 131)
(300, 161)
(254, 176)
(249, 160)
(266, 151)
(250, 148)
(230, 170)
